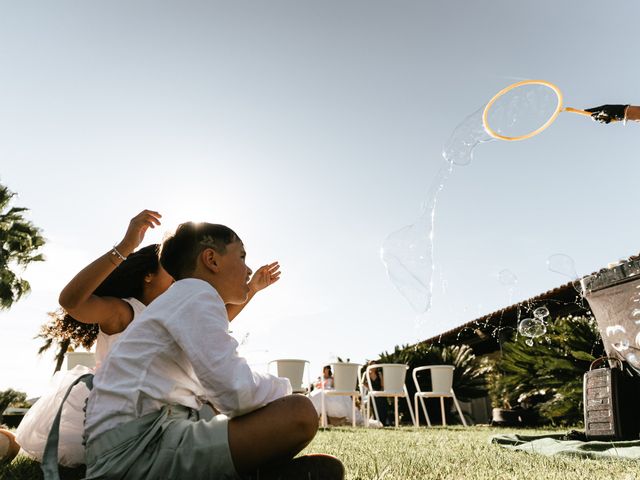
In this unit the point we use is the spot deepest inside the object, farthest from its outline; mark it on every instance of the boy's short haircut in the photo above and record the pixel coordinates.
(180, 250)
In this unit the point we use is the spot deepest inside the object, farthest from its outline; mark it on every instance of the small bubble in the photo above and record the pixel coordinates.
(622, 345)
(562, 264)
(507, 277)
(633, 360)
(613, 329)
(541, 312)
(529, 342)
(532, 327)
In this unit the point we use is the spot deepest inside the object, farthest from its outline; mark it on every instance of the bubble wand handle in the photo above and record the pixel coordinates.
(576, 110)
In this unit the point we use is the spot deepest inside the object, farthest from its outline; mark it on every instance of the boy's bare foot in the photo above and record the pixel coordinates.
(306, 467)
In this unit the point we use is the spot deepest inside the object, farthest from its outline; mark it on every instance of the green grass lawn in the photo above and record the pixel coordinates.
(425, 453)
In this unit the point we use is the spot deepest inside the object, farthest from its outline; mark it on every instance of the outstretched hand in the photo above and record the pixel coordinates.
(138, 227)
(265, 276)
(608, 113)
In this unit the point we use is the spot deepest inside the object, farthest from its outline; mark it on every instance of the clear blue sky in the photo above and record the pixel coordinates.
(314, 129)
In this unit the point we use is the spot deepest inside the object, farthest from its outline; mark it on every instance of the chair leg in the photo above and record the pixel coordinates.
(324, 412)
(444, 416)
(375, 409)
(353, 409)
(415, 408)
(408, 399)
(455, 401)
(424, 409)
(366, 419)
(396, 405)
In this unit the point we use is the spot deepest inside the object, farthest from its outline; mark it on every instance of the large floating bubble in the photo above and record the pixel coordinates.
(408, 253)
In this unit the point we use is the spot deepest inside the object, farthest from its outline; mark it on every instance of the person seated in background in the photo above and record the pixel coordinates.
(143, 414)
(375, 381)
(326, 380)
(614, 113)
(338, 408)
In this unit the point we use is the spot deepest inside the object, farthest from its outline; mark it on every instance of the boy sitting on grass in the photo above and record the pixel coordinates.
(144, 415)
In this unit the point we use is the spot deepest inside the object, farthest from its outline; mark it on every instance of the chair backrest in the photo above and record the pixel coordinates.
(88, 359)
(293, 369)
(393, 376)
(441, 378)
(345, 376)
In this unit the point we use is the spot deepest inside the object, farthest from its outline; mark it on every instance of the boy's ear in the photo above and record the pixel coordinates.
(210, 259)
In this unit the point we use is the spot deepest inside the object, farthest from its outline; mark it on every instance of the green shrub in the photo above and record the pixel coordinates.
(548, 375)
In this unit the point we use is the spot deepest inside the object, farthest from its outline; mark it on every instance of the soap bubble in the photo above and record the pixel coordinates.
(529, 342)
(621, 345)
(408, 253)
(465, 138)
(522, 110)
(507, 277)
(532, 327)
(633, 359)
(541, 312)
(612, 330)
(562, 264)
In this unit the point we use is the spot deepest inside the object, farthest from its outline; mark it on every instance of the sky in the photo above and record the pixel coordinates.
(315, 130)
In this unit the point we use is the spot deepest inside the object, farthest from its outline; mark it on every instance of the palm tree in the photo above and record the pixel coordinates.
(62, 331)
(20, 241)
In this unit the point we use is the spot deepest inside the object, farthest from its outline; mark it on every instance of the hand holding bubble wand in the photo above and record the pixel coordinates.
(514, 113)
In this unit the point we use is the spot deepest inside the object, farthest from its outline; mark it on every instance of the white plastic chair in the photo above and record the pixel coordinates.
(393, 377)
(293, 369)
(88, 359)
(345, 383)
(441, 386)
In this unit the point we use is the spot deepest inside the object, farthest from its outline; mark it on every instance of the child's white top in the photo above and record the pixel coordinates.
(33, 431)
(178, 351)
(104, 342)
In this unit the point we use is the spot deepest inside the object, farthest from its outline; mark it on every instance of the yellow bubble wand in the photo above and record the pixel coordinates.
(559, 108)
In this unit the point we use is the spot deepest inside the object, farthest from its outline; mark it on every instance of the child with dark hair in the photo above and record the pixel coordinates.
(143, 417)
(100, 302)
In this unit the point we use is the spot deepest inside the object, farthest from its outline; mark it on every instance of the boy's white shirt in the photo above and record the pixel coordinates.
(178, 351)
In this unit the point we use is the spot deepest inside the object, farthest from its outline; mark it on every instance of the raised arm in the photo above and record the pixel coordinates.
(264, 276)
(202, 332)
(77, 296)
